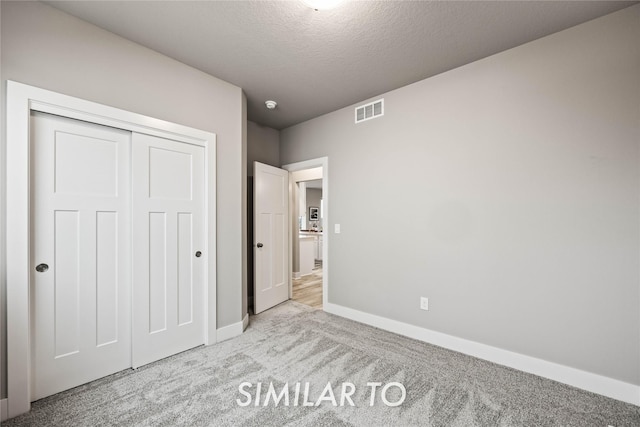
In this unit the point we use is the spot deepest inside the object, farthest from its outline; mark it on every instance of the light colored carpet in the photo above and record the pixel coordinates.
(294, 343)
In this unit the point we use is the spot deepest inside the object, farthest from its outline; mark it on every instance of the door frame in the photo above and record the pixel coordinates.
(326, 237)
(21, 100)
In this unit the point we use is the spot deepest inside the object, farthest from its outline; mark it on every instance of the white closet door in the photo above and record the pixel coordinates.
(80, 316)
(168, 247)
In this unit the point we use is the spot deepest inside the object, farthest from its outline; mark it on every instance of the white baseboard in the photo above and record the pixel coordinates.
(599, 384)
(233, 330)
(4, 410)
(296, 274)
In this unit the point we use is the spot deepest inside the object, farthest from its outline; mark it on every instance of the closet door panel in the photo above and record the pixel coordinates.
(80, 306)
(169, 258)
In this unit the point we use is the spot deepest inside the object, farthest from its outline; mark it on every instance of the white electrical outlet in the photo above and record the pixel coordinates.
(424, 303)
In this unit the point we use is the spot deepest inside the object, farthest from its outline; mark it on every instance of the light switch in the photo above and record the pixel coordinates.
(336, 228)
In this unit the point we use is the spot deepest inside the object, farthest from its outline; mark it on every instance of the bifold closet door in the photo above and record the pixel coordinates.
(80, 256)
(168, 247)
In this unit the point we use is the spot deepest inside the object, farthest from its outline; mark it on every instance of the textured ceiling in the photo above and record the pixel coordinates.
(313, 62)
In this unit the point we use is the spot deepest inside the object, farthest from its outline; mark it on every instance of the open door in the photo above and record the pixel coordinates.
(271, 236)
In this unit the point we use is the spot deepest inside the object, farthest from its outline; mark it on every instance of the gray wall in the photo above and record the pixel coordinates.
(47, 48)
(263, 145)
(506, 192)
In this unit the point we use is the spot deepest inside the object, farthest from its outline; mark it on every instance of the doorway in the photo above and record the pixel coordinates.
(309, 212)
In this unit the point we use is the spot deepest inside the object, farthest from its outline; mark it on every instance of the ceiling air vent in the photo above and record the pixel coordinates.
(370, 111)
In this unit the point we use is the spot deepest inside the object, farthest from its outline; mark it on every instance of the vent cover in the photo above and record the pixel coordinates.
(370, 111)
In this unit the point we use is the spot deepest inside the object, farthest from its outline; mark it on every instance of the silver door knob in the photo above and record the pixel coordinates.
(198, 254)
(41, 268)
(259, 245)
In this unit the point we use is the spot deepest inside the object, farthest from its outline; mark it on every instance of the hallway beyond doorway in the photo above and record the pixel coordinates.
(308, 289)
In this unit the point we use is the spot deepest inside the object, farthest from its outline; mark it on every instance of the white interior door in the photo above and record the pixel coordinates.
(80, 316)
(271, 247)
(168, 247)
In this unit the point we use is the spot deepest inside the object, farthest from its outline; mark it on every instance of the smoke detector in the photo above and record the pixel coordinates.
(271, 104)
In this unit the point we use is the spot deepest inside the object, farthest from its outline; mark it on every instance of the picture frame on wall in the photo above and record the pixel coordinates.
(314, 213)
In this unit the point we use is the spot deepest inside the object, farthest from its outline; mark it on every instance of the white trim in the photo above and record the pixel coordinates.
(210, 297)
(21, 100)
(75, 108)
(233, 330)
(296, 275)
(594, 383)
(326, 235)
(4, 411)
(245, 322)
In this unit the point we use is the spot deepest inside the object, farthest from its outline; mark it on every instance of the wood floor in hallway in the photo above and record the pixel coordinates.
(308, 289)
